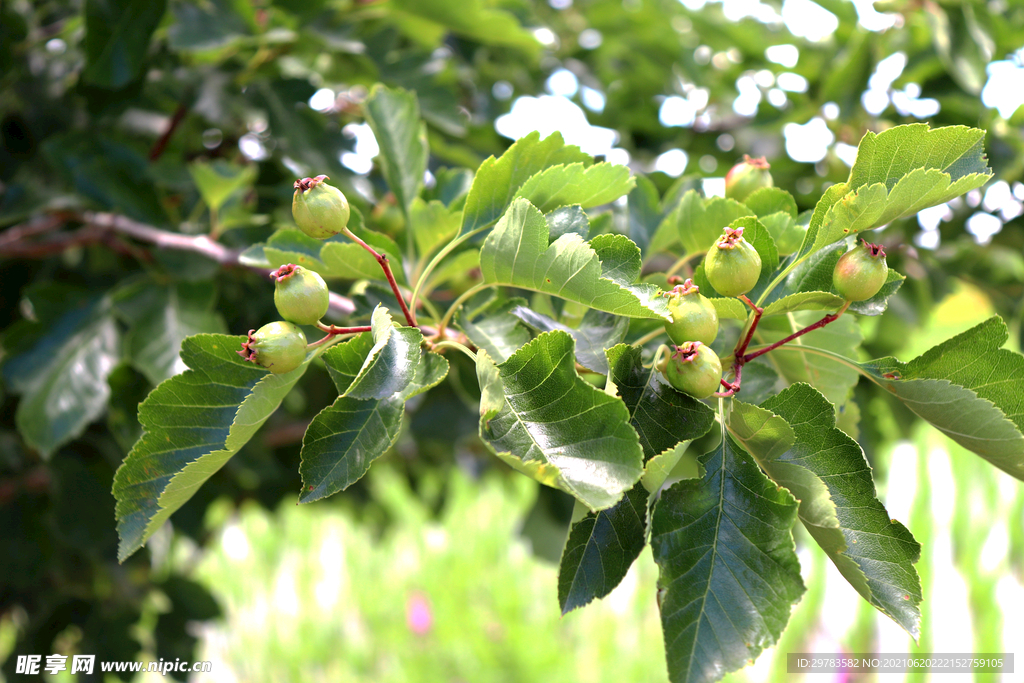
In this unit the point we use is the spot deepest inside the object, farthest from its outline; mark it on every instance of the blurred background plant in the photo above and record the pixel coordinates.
(147, 143)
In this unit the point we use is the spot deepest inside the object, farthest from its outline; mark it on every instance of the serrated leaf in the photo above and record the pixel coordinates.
(897, 173)
(597, 331)
(805, 301)
(218, 180)
(826, 470)
(599, 274)
(497, 180)
(729, 574)
(538, 416)
(833, 378)
(345, 438)
(700, 221)
(661, 416)
(394, 118)
(728, 307)
(600, 549)
(62, 378)
(495, 328)
(969, 388)
(160, 318)
(194, 423)
(576, 184)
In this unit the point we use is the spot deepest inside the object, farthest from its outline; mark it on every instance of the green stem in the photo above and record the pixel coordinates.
(683, 261)
(782, 276)
(842, 360)
(425, 275)
(650, 336)
(447, 343)
(463, 298)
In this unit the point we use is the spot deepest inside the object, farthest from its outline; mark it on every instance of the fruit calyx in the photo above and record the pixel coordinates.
(301, 295)
(278, 346)
(746, 177)
(694, 316)
(729, 238)
(732, 264)
(319, 209)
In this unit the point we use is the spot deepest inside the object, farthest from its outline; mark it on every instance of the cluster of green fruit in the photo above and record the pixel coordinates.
(301, 295)
(733, 267)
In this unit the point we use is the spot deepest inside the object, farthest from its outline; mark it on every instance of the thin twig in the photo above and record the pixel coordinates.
(830, 318)
(172, 125)
(410, 317)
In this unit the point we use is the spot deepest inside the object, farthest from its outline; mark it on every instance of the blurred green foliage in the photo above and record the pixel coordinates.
(116, 105)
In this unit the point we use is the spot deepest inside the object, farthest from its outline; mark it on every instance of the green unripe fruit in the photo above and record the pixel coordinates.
(301, 296)
(693, 369)
(732, 265)
(279, 347)
(747, 176)
(860, 272)
(319, 209)
(694, 317)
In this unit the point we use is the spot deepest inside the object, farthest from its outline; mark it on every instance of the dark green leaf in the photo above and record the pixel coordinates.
(826, 470)
(538, 416)
(661, 416)
(600, 549)
(494, 327)
(729, 571)
(566, 219)
(195, 422)
(597, 331)
(645, 213)
(116, 42)
(62, 377)
(394, 117)
(376, 373)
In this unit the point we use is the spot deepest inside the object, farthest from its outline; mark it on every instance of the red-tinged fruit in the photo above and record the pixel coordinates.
(693, 368)
(694, 317)
(301, 296)
(732, 265)
(320, 210)
(746, 177)
(860, 272)
(279, 347)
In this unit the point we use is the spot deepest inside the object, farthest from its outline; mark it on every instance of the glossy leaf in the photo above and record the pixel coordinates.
(729, 574)
(661, 416)
(805, 301)
(194, 423)
(597, 331)
(375, 373)
(495, 328)
(599, 274)
(497, 180)
(394, 117)
(826, 470)
(969, 389)
(539, 417)
(600, 549)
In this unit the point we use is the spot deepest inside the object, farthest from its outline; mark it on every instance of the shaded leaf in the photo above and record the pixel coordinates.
(62, 376)
(494, 327)
(116, 42)
(645, 213)
(217, 180)
(375, 373)
(394, 117)
(539, 417)
(597, 331)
